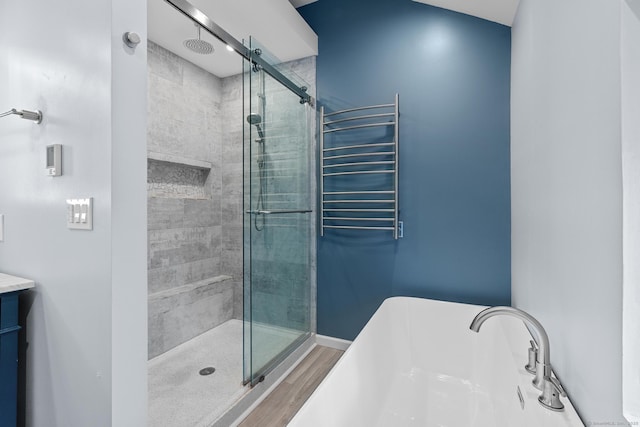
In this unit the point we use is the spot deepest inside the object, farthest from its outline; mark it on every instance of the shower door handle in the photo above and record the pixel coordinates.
(275, 212)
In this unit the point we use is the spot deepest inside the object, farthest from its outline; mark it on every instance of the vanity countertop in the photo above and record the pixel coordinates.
(13, 283)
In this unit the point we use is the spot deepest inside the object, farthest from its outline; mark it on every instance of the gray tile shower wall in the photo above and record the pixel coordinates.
(306, 69)
(232, 181)
(189, 290)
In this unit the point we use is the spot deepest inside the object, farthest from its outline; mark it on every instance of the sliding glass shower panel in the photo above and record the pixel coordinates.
(277, 219)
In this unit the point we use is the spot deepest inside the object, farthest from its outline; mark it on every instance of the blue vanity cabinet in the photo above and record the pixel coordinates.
(10, 289)
(8, 358)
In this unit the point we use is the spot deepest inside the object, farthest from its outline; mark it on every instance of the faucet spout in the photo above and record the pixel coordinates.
(542, 380)
(544, 366)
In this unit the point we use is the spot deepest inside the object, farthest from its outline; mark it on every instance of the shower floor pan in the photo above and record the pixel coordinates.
(180, 396)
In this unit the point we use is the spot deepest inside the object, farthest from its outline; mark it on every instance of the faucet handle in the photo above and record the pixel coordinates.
(533, 358)
(558, 386)
(551, 392)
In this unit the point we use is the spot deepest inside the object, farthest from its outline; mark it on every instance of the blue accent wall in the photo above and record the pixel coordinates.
(452, 72)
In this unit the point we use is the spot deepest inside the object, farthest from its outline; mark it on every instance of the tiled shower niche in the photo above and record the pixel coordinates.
(177, 177)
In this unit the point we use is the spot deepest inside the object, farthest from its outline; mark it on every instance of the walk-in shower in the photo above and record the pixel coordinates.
(231, 229)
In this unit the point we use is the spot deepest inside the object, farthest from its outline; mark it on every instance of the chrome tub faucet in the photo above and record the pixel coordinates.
(550, 387)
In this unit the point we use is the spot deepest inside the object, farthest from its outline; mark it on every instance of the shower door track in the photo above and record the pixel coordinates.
(197, 16)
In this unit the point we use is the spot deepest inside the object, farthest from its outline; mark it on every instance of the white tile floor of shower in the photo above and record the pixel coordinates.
(180, 396)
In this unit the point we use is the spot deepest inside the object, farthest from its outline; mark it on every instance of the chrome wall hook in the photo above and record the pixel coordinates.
(35, 116)
(131, 39)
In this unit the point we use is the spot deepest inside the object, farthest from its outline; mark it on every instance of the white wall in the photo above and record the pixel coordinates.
(566, 194)
(630, 55)
(86, 327)
(128, 216)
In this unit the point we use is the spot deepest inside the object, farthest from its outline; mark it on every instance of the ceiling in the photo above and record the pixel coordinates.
(500, 11)
(298, 3)
(274, 23)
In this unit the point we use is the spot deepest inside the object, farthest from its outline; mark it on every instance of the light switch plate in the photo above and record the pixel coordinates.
(1, 227)
(80, 214)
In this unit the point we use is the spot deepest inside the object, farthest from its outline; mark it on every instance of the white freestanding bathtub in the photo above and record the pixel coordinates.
(417, 363)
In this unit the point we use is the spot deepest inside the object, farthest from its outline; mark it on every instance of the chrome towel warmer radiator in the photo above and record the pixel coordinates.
(354, 203)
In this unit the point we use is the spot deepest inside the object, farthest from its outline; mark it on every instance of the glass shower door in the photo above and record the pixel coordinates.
(277, 217)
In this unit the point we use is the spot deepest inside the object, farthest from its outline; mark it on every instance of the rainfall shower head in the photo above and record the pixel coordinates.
(256, 119)
(198, 45)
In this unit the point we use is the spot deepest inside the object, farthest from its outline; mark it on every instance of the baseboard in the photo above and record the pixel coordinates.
(337, 343)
